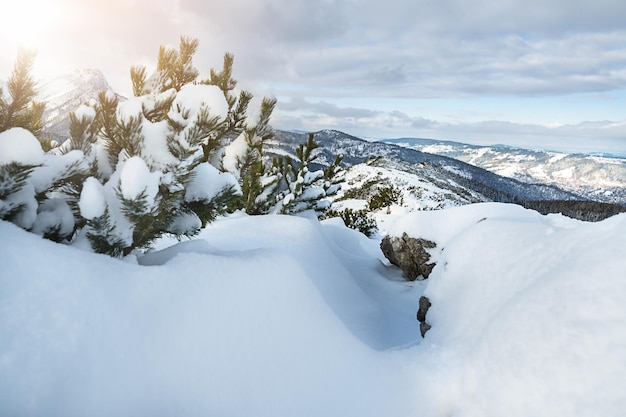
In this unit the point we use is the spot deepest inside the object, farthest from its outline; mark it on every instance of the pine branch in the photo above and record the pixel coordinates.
(138, 78)
(22, 111)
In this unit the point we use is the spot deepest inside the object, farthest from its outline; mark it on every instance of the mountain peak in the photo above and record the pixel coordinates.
(64, 94)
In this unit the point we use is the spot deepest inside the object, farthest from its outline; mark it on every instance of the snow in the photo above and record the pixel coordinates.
(25, 198)
(53, 167)
(136, 178)
(440, 226)
(130, 109)
(92, 202)
(207, 182)
(54, 214)
(20, 146)
(566, 173)
(234, 153)
(198, 97)
(85, 112)
(286, 316)
(533, 311)
(154, 146)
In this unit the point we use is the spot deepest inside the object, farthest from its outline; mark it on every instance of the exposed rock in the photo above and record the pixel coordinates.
(424, 305)
(409, 254)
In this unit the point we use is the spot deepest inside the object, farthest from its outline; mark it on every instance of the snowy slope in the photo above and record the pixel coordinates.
(281, 316)
(600, 178)
(263, 316)
(472, 178)
(420, 186)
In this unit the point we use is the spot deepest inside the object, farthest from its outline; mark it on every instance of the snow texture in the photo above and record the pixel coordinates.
(20, 146)
(85, 112)
(234, 153)
(54, 167)
(92, 202)
(54, 214)
(207, 182)
(197, 97)
(284, 316)
(136, 179)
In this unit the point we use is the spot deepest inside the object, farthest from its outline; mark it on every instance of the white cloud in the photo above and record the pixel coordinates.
(361, 49)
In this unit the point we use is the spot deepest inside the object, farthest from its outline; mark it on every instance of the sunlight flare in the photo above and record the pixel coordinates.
(29, 23)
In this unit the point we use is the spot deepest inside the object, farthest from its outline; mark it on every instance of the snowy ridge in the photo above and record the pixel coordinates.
(595, 177)
(281, 316)
(473, 179)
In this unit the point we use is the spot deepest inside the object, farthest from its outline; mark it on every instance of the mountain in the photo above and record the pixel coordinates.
(596, 177)
(65, 94)
(439, 168)
(450, 182)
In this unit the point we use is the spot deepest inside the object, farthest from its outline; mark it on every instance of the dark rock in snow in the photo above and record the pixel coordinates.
(409, 254)
(424, 305)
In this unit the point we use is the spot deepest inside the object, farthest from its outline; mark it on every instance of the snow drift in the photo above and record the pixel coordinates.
(282, 316)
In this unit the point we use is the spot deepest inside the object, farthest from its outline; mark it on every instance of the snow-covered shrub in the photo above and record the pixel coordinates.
(169, 160)
(290, 187)
(385, 197)
(20, 151)
(355, 219)
(156, 159)
(19, 109)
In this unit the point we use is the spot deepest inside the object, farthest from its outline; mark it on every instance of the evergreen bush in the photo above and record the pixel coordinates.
(385, 197)
(169, 160)
(355, 219)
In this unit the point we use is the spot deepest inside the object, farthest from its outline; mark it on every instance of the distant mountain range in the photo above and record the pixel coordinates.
(456, 173)
(595, 177)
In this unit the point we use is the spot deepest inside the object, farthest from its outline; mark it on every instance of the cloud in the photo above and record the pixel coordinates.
(328, 50)
(299, 104)
(598, 136)
(419, 49)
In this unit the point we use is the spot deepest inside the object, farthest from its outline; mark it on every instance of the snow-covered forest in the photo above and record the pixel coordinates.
(155, 264)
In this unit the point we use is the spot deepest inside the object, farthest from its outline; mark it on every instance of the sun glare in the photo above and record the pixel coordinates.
(29, 23)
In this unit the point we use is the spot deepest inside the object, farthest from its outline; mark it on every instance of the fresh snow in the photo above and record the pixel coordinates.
(198, 97)
(54, 214)
(286, 316)
(207, 182)
(92, 202)
(52, 168)
(20, 146)
(234, 153)
(136, 179)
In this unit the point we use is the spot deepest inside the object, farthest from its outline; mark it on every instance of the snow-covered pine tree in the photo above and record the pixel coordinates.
(244, 158)
(21, 110)
(294, 188)
(31, 181)
(156, 157)
(166, 161)
(20, 151)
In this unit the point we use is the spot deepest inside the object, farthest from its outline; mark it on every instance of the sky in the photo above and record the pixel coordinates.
(532, 73)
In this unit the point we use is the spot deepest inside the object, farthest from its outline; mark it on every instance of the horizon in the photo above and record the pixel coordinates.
(539, 76)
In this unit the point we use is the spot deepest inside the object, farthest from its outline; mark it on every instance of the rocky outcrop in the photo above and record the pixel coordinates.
(424, 305)
(410, 254)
